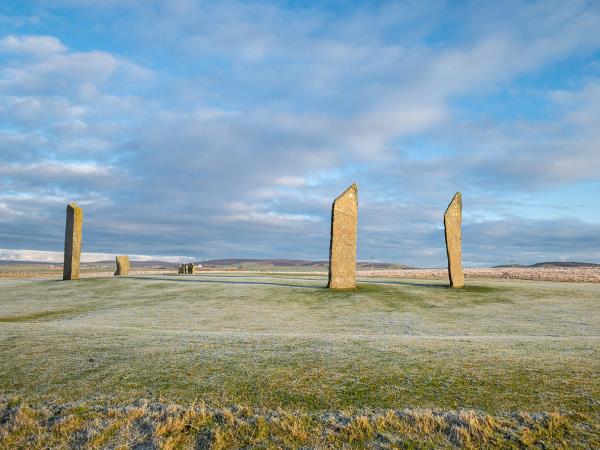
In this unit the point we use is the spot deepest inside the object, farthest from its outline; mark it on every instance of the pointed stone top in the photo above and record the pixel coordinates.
(353, 189)
(456, 201)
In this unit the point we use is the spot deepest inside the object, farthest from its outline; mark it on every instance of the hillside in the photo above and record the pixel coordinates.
(290, 263)
(548, 265)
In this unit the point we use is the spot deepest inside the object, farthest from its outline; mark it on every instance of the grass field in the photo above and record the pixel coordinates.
(227, 361)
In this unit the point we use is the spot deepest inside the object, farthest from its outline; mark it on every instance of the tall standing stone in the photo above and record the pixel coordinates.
(72, 242)
(191, 269)
(452, 225)
(123, 266)
(342, 246)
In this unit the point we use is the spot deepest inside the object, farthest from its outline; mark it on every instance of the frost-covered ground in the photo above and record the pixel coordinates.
(564, 274)
(281, 344)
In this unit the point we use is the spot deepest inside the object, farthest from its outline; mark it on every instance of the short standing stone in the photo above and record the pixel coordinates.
(72, 242)
(452, 225)
(122, 266)
(342, 246)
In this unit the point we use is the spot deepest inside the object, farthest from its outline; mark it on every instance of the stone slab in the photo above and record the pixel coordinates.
(342, 244)
(73, 230)
(123, 266)
(453, 232)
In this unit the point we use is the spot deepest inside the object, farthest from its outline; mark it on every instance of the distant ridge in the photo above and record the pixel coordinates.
(151, 264)
(145, 264)
(225, 262)
(10, 262)
(292, 263)
(547, 265)
(219, 263)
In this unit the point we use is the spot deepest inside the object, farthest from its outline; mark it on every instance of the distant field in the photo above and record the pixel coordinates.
(38, 271)
(583, 274)
(276, 360)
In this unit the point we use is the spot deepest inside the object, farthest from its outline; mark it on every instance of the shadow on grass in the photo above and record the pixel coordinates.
(261, 283)
(270, 275)
(44, 315)
(469, 289)
(363, 286)
(407, 283)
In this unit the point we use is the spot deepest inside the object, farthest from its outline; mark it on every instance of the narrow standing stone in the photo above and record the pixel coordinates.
(342, 246)
(72, 242)
(190, 268)
(123, 266)
(452, 225)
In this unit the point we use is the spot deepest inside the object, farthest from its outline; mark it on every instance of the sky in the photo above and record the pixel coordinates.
(190, 129)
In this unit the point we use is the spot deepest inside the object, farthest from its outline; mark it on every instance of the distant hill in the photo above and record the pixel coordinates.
(262, 262)
(228, 262)
(548, 264)
(250, 263)
(134, 264)
(11, 262)
(290, 263)
(565, 264)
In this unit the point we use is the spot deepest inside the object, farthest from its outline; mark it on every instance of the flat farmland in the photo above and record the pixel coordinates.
(262, 361)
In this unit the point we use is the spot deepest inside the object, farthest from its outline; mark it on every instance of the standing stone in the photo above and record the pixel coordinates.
(452, 225)
(72, 242)
(342, 246)
(182, 269)
(122, 266)
(190, 268)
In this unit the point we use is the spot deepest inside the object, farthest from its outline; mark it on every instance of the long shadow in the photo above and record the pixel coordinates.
(201, 280)
(228, 282)
(406, 283)
(266, 275)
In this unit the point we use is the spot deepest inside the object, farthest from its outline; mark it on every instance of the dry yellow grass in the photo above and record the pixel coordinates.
(173, 427)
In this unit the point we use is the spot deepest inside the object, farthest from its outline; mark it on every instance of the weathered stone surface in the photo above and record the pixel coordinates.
(72, 242)
(182, 268)
(452, 225)
(342, 246)
(122, 266)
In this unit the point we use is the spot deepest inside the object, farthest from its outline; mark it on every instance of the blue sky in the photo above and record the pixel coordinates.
(225, 129)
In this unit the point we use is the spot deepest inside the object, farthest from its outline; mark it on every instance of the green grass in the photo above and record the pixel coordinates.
(284, 343)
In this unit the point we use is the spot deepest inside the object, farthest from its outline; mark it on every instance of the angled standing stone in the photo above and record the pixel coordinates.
(122, 266)
(342, 246)
(72, 242)
(452, 225)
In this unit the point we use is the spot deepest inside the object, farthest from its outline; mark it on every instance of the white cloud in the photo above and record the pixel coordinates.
(290, 181)
(55, 169)
(39, 46)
